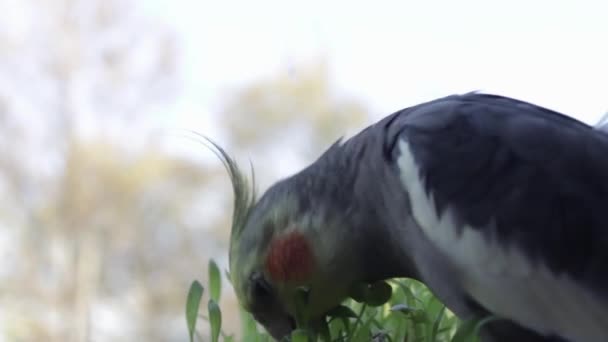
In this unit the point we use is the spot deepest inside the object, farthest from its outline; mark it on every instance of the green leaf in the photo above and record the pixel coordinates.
(403, 308)
(359, 292)
(248, 326)
(379, 293)
(215, 319)
(301, 299)
(437, 323)
(192, 304)
(409, 294)
(414, 314)
(364, 334)
(215, 281)
(323, 329)
(299, 335)
(465, 331)
(335, 328)
(420, 316)
(375, 294)
(342, 311)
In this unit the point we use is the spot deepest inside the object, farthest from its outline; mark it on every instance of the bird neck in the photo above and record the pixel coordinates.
(367, 199)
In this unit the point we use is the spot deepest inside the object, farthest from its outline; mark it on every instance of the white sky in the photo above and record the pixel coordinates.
(396, 54)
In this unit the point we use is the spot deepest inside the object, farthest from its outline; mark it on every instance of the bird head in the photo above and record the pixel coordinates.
(282, 244)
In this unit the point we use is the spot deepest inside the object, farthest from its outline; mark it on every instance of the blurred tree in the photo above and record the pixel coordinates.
(134, 209)
(100, 221)
(300, 106)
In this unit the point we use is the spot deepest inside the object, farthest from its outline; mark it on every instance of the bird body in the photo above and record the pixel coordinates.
(496, 204)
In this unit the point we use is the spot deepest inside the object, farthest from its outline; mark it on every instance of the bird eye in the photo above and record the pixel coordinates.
(260, 287)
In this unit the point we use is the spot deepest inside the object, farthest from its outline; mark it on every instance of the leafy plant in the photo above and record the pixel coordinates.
(397, 310)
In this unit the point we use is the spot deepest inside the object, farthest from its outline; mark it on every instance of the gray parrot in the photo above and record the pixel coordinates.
(498, 205)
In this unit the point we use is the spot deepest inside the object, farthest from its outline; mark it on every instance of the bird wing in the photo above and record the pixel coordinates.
(602, 124)
(515, 195)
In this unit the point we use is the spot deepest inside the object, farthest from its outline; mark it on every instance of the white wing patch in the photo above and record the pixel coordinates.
(503, 280)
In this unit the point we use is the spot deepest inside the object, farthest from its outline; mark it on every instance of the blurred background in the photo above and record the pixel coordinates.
(110, 209)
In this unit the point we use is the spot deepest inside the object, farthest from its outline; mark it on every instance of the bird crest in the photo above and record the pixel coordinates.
(244, 192)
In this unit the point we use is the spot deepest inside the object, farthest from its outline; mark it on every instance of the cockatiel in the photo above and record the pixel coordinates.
(497, 205)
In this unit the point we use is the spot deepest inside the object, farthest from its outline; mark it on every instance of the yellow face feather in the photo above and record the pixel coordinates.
(244, 200)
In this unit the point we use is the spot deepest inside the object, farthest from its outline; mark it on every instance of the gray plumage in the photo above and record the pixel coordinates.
(540, 176)
(496, 204)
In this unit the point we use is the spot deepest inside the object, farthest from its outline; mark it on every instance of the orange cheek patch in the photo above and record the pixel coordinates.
(289, 258)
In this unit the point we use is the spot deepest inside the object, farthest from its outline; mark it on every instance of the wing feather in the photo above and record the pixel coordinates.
(514, 195)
